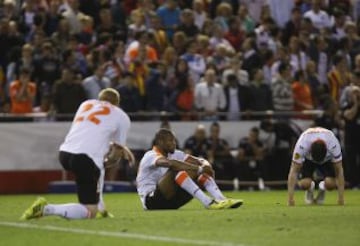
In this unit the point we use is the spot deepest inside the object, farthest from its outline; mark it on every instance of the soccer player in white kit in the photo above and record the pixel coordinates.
(316, 148)
(168, 178)
(97, 123)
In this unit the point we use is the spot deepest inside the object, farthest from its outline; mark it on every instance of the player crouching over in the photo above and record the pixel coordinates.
(316, 149)
(86, 153)
(168, 178)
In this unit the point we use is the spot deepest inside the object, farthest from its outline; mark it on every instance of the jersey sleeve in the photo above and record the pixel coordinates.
(299, 151)
(122, 130)
(335, 148)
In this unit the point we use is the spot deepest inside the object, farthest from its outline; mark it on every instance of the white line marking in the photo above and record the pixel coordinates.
(118, 234)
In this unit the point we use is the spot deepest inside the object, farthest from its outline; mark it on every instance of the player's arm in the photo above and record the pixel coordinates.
(340, 181)
(180, 165)
(292, 179)
(116, 153)
(200, 162)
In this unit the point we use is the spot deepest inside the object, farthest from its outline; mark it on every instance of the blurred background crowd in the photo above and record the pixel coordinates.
(226, 60)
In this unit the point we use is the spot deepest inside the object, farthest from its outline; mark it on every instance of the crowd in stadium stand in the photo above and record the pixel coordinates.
(177, 56)
(184, 56)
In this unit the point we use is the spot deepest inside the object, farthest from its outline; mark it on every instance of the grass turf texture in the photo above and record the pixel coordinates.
(264, 219)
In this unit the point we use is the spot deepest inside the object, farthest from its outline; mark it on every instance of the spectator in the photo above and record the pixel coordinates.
(219, 154)
(292, 26)
(68, 93)
(46, 70)
(209, 96)
(184, 98)
(317, 89)
(198, 144)
(199, 13)
(251, 159)
(298, 58)
(160, 36)
(131, 100)
(280, 11)
(235, 68)
(301, 93)
(318, 17)
(218, 38)
(22, 93)
(223, 12)
(318, 52)
(170, 60)
(196, 62)
(278, 151)
(247, 23)
(337, 77)
(237, 98)
(155, 86)
(169, 14)
(138, 24)
(220, 58)
(234, 35)
(187, 24)
(73, 15)
(4, 98)
(133, 51)
(260, 93)
(254, 8)
(351, 115)
(95, 83)
(282, 95)
(61, 36)
(252, 59)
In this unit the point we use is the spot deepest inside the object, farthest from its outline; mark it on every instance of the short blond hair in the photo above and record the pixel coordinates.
(110, 95)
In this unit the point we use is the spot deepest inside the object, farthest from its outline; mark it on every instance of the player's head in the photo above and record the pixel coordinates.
(318, 150)
(110, 95)
(165, 140)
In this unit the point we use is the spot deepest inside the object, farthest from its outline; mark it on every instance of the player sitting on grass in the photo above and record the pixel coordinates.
(168, 178)
(316, 148)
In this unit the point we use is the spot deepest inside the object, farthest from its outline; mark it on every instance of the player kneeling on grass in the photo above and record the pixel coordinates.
(86, 153)
(168, 178)
(316, 149)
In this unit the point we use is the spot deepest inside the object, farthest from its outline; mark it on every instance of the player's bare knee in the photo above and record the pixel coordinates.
(305, 184)
(330, 184)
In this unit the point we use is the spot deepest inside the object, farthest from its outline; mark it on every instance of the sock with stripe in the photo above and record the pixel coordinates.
(209, 184)
(185, 182)
(68, 211)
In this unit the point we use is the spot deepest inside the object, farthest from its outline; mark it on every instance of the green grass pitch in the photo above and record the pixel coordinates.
(264, 219)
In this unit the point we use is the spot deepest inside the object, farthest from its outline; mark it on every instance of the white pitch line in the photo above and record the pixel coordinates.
(118, 234)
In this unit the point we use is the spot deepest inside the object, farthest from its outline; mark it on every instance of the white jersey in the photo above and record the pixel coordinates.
(96, 124)
(302, 147)
(149, 174)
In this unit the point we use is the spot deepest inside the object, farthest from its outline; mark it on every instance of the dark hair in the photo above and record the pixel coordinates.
(318, 150)
(161, 134)
(282, 67)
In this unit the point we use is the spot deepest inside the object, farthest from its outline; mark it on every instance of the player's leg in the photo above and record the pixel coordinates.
(102, 212)
(210, 186)
(329, 183)
(87, 175)
(306, 182)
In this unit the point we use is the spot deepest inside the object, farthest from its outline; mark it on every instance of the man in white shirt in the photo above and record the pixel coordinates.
(316, 149)
(96, 124)
(169, 178)
(210, 96)
(95, 83)
(319, 18)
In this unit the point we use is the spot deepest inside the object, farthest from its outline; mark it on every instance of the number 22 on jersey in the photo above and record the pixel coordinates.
(93, 116)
